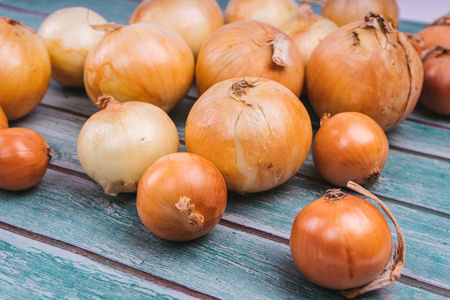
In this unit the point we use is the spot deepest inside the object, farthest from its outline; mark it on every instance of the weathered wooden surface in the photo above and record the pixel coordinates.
(65, 239)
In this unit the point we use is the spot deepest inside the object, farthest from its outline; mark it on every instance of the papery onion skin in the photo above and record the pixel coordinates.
(144, 62)
(365, 70)
(68, 36)
(344, 12)
(436, 34)
(181, 197)
(26, 69)
(244, 49)
(273, 12)
(3, 120)
(117, 144)
(258, 139)
(340, 243)
(24, 158)
(193, 20)
(350, 146)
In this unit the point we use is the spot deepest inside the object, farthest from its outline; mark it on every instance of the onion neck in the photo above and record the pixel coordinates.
(107, 27)
(378, 22)
(444, 20)
(194, 219)
(238, 88)
(281, 44)
(334, 195)
(434, 52)
(107, 101)
(325, 117)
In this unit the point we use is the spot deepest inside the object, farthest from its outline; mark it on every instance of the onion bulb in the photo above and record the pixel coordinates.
(25, 69)
(273, 12)
(437, 33)
(350, 146)
(69, 37)
(181, 197)
(3, 120)
(343, 12)
(24, 158)
(194, 20)
(343, 242)
(436, 86)
(255, 131)
(367, 67)
(117, 144)
(144, 62)
(249, 48)
(307, 30)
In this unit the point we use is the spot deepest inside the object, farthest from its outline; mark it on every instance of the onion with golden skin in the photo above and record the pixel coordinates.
(367, 67)
(255, 131)
(436, 34)
(249, 48)
(26, 69)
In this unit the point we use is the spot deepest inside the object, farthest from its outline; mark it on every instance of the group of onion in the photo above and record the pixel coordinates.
(248, 131)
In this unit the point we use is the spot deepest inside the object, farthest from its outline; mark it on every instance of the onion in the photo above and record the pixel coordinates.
(343, 242)
(350, 146)
(25, 69)
(181, 197)
(69, 37)
(24, 158)
(3, 120)
(255, 131)
(343, 12)
(436, 86)
(437, 33)
(367, 67)
(144, 62)
(273, 12)
(194, 20)
(117, 144)
(249, 48)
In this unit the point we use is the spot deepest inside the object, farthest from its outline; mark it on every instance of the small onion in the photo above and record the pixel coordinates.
(24, 158)
(343, 12)
(3, 120)
(255, 131)
(117, 144)
(144, 62)
(181, 197)
(437, 33)
(350, 146)
(69, 37)
(25, 69)
(194, 20)
(436, 86)
(273, 12)
(249, 48)
(367, 67)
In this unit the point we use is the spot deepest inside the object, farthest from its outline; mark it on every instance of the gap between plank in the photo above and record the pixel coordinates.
(22, 10)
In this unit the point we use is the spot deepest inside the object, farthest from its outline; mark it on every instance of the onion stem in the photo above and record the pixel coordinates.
(194, 218)
(281, 44)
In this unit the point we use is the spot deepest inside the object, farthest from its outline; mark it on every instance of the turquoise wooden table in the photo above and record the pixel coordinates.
(65, 238)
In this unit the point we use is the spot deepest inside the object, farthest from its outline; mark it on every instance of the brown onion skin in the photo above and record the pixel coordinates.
(350, 70)
(24, 158)
(240, 49)
(350, 146)
(343, 12)
(3, 120)
(340, 243)
(26, 69)
(436, 87)
(436, 33)
(175, 176)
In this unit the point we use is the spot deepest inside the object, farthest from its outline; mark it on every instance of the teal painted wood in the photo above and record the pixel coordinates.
(226, 263)
(33, 270)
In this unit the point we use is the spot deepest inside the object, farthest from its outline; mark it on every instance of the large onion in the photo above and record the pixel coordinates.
(367, 67)
(25, 69)
(249, 48)
(437, 33)
(194, 20)
(255, 131)
(144, 62)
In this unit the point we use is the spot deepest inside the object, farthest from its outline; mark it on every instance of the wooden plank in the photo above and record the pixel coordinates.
(38, 270)
(226, 263)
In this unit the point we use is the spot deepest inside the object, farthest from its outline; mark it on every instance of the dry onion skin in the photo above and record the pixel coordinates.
(343, 12)
(3, 120)
(194, 20)
(436, 34)
(273, 12)
(436, 86)
(367, 67)
(255, 131)
(343, 242)
(350, 146)
(26, 69)
(145, 62)
(250, 49)
(69, 37)
(181, 197)
(117, 144)
(24, 158)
